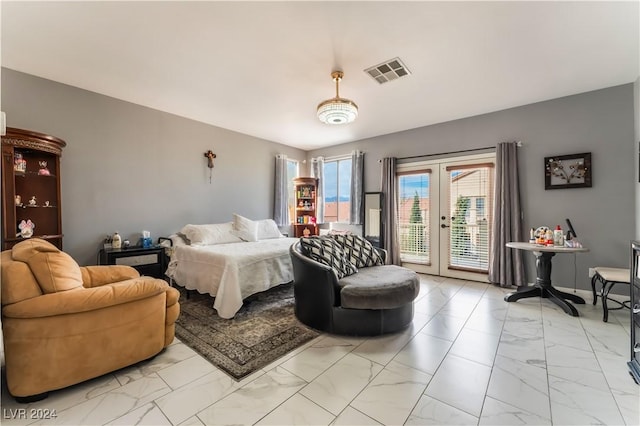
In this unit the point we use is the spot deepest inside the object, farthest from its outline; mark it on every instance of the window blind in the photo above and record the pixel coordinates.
(470, 191)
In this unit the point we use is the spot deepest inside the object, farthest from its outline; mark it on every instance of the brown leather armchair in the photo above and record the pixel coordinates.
(64, 324)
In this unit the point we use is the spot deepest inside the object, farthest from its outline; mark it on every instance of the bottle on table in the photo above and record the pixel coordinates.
(116, 241)
(558, 236)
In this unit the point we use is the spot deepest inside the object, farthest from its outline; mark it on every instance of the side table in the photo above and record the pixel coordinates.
(543, 287)
(148, 261)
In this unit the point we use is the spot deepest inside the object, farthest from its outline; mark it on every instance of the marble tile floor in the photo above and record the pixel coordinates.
(469, 358)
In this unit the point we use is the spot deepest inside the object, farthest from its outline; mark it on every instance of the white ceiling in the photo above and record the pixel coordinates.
(261, 68)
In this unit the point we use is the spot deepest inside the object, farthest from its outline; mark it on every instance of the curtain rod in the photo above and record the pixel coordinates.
(518, 143)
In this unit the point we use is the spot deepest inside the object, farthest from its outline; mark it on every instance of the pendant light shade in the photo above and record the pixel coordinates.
(337, 110)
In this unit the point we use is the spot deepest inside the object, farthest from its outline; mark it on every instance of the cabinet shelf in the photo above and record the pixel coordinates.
(28, 174)
(35, 207)
(42, 237)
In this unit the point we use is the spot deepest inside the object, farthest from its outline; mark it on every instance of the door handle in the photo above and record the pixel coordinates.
(636, 309)
(636, 348)
(444, 226)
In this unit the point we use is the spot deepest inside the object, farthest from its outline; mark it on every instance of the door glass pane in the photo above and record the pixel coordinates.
(470, 192)
(413, 217)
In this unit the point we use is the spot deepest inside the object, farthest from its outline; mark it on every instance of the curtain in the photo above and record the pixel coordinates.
(389, 189)
(505, 265)
(317, 171)
(357, 188)
(281, 196)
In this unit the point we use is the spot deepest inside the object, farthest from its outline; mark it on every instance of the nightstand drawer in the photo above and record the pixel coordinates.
(139, 260)
(148, 261)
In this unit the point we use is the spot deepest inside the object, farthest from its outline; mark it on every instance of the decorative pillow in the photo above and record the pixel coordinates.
(358, 250)
(268, 229)
(245, 229)
(216, 233)
(328, 252)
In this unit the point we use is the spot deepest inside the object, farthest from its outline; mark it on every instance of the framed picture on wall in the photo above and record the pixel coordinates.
(568, 171)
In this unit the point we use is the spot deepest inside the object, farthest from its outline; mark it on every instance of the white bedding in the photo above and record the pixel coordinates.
(231, 272)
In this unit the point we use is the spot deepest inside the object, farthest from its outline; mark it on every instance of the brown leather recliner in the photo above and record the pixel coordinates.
(64, 324)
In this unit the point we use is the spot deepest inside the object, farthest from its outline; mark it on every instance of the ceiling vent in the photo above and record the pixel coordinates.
(392, 69)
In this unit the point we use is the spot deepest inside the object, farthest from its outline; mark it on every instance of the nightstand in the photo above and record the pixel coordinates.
(148, 261)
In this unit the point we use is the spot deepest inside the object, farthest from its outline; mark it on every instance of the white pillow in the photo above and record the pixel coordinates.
(216, 233)
(244, 228)
(268, 229)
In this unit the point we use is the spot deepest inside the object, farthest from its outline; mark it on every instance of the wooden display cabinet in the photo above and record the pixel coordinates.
(31, 186)
(305, 189)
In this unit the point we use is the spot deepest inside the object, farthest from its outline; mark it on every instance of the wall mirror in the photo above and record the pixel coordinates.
(373, 222)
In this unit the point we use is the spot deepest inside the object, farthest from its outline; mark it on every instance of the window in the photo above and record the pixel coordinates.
(480, 207)
(337, 190)
(292, 172)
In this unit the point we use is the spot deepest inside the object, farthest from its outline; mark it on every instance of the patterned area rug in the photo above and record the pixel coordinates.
(262, 331)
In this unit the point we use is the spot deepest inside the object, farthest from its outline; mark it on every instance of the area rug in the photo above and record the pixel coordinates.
(262, 331)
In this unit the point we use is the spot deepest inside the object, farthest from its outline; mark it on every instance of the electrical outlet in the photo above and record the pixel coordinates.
(592, 272)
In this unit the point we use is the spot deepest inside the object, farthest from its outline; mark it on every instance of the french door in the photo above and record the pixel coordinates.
(444, 215)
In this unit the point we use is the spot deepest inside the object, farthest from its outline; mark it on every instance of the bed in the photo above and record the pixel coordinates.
(228, 267)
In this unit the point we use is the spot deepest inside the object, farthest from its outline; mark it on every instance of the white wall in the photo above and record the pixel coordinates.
(129, 168)
(600, 122)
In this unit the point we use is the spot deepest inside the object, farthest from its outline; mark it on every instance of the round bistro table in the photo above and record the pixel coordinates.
(543, 287)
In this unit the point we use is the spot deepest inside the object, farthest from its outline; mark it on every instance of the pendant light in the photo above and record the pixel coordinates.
(337, 110)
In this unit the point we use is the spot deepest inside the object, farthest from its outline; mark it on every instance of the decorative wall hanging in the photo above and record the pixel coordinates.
(210, 156)
(567, 171)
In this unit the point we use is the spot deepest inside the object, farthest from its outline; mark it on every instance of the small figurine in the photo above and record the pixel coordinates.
(32, 201)
(43, 168)
(301, 203)
(306, 232)
(19, 163)
(26, 228)
(46, 203)
(18, 200)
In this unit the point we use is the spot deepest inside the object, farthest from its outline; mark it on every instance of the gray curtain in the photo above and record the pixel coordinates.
(389, 189)
(317, 171)
(357, 187)
(281, 197)
(505, 265)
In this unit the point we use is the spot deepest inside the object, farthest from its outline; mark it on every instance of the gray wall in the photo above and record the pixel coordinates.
(636, 145)
(600, 122)
(129, 168)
